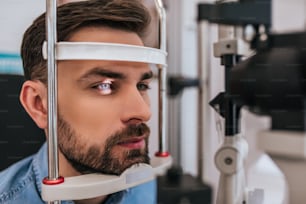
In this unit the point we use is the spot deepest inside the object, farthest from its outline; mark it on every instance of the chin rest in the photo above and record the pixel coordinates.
(19, 135)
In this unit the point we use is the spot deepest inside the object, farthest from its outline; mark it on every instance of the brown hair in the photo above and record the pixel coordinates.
(129, 15)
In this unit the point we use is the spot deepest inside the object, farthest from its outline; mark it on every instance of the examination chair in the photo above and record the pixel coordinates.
(19, 135)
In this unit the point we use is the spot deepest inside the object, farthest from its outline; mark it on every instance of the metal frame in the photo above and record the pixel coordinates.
(106, 51)
(53, 185)
(162, 83)
(231, 155)
(52, 90)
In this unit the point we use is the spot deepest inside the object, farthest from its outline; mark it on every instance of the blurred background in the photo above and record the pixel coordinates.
(183, 45)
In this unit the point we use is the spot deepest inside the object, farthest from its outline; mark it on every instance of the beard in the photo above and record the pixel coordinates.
(97, 159)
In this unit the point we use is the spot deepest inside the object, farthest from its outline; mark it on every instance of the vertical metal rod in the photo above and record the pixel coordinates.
(162, 81)
(51, 37)
(229, 61)
(174, 104)
(53, 168)
(52, 90)
(203, 93)
(174, 134)
(162, 111)
(163, 22)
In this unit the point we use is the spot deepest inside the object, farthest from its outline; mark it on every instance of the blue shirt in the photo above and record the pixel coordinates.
(21, 183)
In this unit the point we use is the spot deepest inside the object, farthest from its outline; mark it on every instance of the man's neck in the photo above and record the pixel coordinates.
(66, 170)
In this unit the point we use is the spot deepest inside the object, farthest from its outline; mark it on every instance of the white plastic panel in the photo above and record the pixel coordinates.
(107, 51)
(94, 185)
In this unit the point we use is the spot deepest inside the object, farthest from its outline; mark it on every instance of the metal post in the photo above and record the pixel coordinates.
(162, 83)
(203, 93)
(53, 168)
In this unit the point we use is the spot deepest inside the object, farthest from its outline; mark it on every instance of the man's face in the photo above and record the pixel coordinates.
(103, 107)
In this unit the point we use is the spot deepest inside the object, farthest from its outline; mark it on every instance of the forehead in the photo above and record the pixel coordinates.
(107, 35)
(76, 69)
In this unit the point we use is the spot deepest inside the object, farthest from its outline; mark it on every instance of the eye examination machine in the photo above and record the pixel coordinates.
(263, 71)
(55, 187)
(236, 48)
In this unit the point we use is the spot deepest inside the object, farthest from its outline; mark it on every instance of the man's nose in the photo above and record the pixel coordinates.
(136, 108)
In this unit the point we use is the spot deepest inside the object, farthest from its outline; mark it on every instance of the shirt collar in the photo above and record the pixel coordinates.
(40, 166)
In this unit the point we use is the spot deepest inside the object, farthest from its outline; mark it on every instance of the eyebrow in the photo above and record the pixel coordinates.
(99, 71)
(147, 75)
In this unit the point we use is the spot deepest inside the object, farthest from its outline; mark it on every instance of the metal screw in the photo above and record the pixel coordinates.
(228, 160)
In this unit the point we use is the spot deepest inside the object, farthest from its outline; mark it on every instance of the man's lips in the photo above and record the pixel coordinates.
(133, 143)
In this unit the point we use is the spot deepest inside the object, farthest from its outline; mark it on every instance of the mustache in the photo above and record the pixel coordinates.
(130, 131)
(135, 130)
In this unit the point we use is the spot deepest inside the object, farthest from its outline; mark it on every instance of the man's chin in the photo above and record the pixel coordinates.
(129, 161)
(114, 164)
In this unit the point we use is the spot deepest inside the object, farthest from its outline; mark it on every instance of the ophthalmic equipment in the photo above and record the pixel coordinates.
(56, 188)
(233, 45)
(270, 82)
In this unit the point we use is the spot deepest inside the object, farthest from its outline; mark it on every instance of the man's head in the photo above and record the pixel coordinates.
(103, 105)
(124, 15)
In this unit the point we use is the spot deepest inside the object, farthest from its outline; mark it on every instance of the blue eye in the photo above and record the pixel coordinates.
(143, 87)
(106, 87)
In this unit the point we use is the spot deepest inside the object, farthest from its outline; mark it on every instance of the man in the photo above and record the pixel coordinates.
(103, 105)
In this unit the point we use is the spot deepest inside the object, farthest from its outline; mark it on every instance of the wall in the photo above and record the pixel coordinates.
(15, 17)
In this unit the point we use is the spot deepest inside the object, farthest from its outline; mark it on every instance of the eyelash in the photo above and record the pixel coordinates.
(142, 87)
(110, 90)
(145, 88)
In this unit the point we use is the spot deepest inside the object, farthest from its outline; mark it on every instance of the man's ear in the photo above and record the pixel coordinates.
(33, 98)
